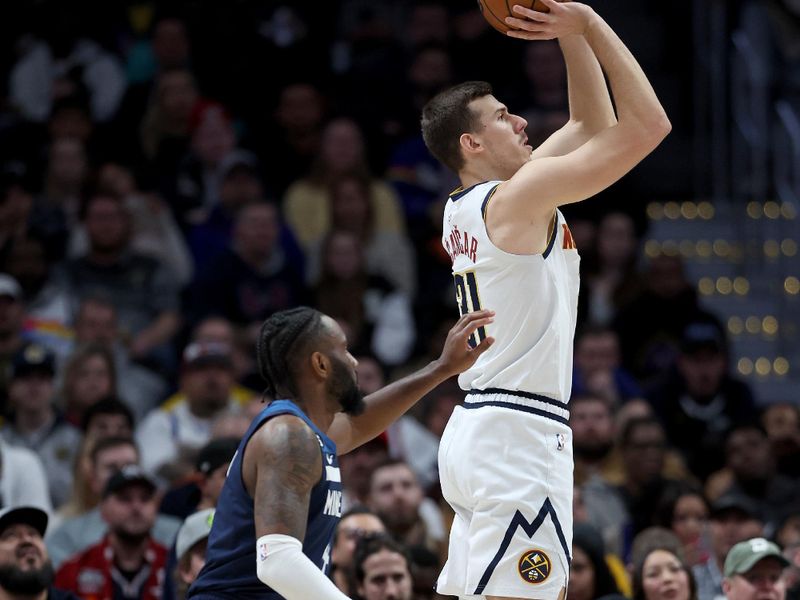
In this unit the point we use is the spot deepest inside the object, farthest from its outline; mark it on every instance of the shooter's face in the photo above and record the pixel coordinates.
(501, 135)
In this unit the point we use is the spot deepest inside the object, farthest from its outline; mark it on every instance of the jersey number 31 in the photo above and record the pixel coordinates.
(469, 301)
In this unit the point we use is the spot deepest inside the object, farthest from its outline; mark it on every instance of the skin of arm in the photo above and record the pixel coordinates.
(590, 107)
(281, 465)
(389, 403)
(608, 155)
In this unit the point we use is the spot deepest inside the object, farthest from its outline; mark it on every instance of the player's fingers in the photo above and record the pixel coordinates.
(469, 328)
(483, 346)
(529, 13)
(473, 316)
(524, 24)
(527, 35)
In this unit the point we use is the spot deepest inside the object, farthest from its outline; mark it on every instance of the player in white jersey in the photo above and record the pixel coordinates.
(505, 459)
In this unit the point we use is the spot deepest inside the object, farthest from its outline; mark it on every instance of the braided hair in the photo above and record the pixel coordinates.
(283, 335)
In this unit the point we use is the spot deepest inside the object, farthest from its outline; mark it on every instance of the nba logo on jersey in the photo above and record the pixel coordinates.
(262, 551)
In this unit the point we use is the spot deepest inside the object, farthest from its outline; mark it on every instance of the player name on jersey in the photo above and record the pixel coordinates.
(333, 503)
(461, 243)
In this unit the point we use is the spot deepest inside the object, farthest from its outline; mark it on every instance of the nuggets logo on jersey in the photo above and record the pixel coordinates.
(534, 566)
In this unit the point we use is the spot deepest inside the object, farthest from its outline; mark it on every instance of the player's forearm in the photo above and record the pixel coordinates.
(385, 406)
(589, 99)
(638, 107)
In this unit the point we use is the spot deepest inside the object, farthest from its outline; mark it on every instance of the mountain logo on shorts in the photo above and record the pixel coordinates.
(534, 566)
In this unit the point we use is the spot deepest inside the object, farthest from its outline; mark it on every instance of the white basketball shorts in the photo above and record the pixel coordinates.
(505, 464)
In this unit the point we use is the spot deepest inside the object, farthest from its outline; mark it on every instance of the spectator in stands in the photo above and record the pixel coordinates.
(127, 562)
(23, 480)
(154, 231)
(589, 573)
(355, 525)
(205, 485)
(35, 423)
(643, 445)
(57, 207)
(734, 518)
(598, 369)
(171, 435)
(253, 277)
(699, 401)
(107, 418)
(750, 470)
(60, 63)
(439, 405)
(684, 509)
(611, 280)
(190, 548)
(88, 377)
(649, 345)
(26, 572)
(76, 533)
(382, 570)
(388, 254)
(199, 173)
(357, 467)
(16, 200)
(143, 290)
(96, 324)
(307, 201)
(165, 126)
(12, 311)
(376, 317)
(397, 498)
(295, 138)
(754, 570)
(659, 571)
(781, 421)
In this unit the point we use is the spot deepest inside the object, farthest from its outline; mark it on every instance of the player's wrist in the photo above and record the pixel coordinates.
(590, 18)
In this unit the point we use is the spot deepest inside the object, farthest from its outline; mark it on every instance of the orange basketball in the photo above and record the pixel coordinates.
(496, 11)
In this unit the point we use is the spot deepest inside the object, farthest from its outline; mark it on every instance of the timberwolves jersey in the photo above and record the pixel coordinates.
(535, 298)
(230, 569)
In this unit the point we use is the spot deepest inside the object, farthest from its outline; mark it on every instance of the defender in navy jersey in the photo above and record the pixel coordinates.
(505, 459)
(282, 497)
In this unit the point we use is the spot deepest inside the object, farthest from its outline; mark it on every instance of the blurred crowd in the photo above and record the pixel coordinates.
(171, 176)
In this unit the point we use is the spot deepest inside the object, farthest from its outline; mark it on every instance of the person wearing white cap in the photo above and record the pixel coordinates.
(190, 548)
(26, 572)
(754, 571)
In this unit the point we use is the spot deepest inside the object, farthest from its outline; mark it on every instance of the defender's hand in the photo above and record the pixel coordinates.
(567, 18)
(457, 355)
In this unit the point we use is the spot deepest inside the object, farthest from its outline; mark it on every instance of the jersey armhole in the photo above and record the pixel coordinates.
(485, 203)
(553, 236)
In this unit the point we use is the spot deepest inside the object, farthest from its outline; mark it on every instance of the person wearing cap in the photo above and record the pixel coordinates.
(698, 400)
(82, 524)
(750, 470)
(754, 571)
(171, 435)
(127, 563)
(734, 517)
(11, 313)
(204, 487)
(26, 572)
(190, 549)
(35, 423)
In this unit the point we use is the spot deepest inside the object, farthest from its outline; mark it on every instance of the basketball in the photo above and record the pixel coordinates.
(496, 11)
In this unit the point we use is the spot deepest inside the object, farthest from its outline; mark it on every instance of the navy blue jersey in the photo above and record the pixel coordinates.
(230, 569)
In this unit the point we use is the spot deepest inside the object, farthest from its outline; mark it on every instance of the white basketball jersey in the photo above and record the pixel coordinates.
(535, 298)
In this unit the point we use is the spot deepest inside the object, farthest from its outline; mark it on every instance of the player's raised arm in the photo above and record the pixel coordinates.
(590, 107)
(387, 404)
(606, 157)
(281, 465)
